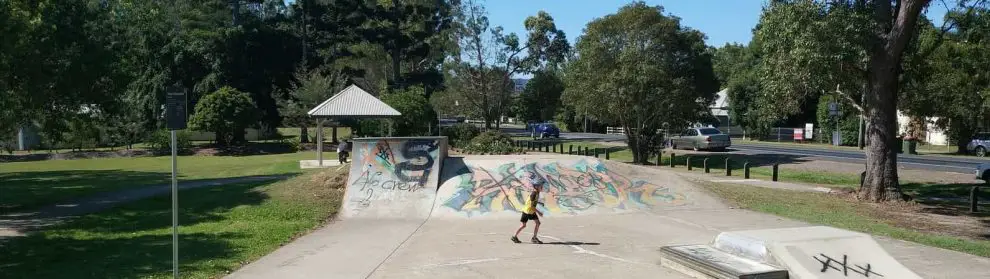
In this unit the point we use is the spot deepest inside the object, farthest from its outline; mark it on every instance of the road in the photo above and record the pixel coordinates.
(923, 162)
(926, 162)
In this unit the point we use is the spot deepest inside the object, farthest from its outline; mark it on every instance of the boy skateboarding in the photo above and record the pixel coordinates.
(529, 211)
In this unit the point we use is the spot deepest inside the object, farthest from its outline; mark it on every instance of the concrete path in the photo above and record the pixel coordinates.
(18, 223)
(587, 235)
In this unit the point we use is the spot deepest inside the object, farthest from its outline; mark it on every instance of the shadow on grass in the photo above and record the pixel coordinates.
(24, 190)
(132, 240)
(121, 257)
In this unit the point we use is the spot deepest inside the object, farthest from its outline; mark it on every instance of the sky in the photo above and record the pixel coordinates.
(723, 21)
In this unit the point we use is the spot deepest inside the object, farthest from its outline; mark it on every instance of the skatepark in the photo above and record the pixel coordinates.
(412, 211)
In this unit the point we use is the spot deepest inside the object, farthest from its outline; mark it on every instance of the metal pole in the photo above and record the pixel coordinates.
(175, 212)
(319, 141)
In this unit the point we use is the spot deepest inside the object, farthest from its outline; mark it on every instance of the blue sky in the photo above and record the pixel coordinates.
(721, 20)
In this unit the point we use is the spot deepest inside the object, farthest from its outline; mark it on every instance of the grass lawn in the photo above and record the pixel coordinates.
(221, 228)
(31, 184)
(832, 210)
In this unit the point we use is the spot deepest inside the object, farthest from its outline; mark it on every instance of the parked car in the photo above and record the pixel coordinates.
(979, 144)
(543, 130)
(701, 139)
(983, 172)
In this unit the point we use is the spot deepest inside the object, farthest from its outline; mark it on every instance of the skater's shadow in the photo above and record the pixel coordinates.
(571, 243)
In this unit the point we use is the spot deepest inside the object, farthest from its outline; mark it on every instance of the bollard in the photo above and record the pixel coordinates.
(688, 164)
(555, 148)
(561, 148)
(775, 168)
(596, 152)
(746, 170)
(570, 149)
(728, 168)
(705, 162)
(974, 199)
(672, 157)
(659, 158)
(608, 153)
(546, 147)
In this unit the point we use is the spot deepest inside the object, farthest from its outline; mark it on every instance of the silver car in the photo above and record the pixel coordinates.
(979, 145)
(701, 139)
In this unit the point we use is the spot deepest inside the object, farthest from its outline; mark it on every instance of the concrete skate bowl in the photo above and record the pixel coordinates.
(393, 178)
(481, 187)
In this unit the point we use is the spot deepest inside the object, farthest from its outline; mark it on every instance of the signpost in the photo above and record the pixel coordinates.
(833, 111)
(175, 119)
(809, 129)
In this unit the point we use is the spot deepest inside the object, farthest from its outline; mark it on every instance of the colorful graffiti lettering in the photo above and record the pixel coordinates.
(569, 190)
(382, 169)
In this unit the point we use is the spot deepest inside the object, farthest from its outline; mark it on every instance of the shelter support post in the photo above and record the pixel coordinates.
(319, 141)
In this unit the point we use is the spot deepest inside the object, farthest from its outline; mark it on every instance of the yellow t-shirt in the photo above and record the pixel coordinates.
(530, 207)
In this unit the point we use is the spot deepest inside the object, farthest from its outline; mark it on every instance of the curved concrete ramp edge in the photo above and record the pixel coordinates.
(393, 178)
(815, 252)
(494, 186)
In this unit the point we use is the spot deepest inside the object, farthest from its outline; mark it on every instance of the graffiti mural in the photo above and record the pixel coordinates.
(570, 189)
(383, 169)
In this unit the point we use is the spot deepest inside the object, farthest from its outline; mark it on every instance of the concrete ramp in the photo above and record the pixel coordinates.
(494, 187)
(393, 178)
(804, 252)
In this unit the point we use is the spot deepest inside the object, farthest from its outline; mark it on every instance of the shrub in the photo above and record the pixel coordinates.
(226, 112)
(461, 134)
(491, 142)
(161, 141)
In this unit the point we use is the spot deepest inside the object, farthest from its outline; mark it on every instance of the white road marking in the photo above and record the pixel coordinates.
(461, 262)
(580, 250)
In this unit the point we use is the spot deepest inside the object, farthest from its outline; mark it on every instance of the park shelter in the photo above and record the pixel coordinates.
(350, 103)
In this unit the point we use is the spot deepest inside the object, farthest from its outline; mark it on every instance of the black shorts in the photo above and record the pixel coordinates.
(526, 217)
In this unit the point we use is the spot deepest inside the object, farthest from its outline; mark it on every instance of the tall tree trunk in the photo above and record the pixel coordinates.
(303, 134)
(880, 183)
(396, 19)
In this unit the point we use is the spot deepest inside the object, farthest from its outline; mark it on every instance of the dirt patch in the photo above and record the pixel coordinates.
(950, 219)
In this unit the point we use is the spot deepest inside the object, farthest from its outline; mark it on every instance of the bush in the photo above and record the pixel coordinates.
(492, 142)
(226, 112)
(461, 134)
(161, 141)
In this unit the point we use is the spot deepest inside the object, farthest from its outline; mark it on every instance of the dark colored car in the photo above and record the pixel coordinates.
(543, 130)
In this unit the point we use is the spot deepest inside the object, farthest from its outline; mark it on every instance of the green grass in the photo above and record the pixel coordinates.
(831, 210)
(221, 228)
(31, 184)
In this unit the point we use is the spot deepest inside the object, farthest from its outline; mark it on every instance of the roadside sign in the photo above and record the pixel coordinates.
(809, 129)
(798, 134)
(833, 109)
(175, 107)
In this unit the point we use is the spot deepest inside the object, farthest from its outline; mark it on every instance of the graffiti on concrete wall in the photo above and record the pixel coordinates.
(844, 266)
(384, 169)
(570, 189)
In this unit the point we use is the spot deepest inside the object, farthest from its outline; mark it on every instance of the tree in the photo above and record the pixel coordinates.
(311, 88)
(226, 112)
(643, 70)
(853, 49)
(489, 59)
(540, 100)
(416, 112)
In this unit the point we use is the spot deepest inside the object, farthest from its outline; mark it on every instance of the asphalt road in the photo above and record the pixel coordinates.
(923, 162)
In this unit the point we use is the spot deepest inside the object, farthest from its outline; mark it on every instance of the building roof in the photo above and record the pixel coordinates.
(353, 102)
(721, 105)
